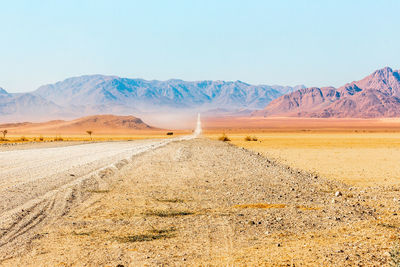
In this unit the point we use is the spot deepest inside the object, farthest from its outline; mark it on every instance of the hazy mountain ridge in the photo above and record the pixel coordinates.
(99, 94)
(172, 93)
(377, 95)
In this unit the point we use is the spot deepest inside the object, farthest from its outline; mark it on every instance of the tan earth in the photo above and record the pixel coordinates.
(356, 158)
(100, 124)
(204, 202)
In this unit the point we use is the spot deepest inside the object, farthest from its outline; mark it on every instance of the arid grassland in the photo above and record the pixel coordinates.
(356, 158)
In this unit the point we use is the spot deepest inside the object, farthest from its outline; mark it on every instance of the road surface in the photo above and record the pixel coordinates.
(38, 185)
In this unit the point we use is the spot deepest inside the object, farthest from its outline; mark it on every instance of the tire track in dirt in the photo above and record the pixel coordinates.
(26, 213)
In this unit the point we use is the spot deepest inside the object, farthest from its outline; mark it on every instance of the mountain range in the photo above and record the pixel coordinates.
(377, 95)
(99, 94)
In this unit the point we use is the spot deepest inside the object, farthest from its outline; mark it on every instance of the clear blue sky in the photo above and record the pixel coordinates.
(316, 43)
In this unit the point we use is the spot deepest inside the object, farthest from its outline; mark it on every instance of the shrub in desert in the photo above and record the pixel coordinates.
(4, 132)
(58, 138)
(41, 138)
(250, 138)
(90, 134)
(23, 139)
(224, 138)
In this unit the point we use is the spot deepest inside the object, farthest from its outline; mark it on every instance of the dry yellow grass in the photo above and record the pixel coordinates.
(95, 138)
(363, 159)
(260, 206)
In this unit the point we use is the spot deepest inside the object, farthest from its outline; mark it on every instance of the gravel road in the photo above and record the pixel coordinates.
(39, 185)
(201, 202)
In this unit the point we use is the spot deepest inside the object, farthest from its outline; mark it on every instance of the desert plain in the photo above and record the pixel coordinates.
(302, 192)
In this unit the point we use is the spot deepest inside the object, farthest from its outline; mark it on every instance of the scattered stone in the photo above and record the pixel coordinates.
(338, 194)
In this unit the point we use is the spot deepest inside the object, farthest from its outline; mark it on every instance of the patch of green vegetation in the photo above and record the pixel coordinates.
(167, 213)
(170, 200)
(154, 234)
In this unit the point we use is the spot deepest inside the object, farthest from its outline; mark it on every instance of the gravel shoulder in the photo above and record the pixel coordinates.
(203, 202)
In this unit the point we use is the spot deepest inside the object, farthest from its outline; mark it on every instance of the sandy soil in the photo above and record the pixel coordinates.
(210, 203)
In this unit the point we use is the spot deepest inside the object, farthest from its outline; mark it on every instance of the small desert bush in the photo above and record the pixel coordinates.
(224, 138)
(395, 256)
(58, 138)
(23, 139)
(3, 139)
(250, 138)
(41, 138)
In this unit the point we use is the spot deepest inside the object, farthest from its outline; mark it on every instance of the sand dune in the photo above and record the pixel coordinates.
(100, 124)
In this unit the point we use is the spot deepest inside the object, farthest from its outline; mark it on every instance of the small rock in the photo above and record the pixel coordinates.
(338, 193)
(278, 245)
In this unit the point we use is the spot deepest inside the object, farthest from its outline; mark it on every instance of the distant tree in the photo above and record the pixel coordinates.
(4, 133)
(90, 134)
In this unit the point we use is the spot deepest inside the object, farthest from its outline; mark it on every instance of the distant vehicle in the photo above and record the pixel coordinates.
(170, 133)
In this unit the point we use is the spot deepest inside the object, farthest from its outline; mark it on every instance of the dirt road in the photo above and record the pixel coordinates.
(37, 184)
(208, 202)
